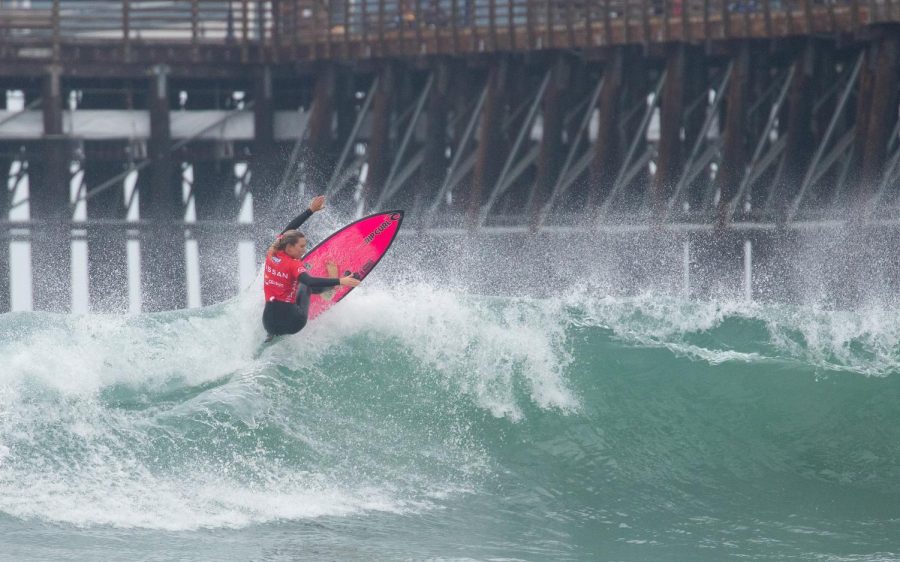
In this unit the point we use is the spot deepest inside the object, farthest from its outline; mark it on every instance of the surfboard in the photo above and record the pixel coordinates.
(353, 250)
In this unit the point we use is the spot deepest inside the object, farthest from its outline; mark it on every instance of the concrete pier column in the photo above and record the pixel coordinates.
(48, 178)
(107, 247)
(215, 200)
(378, 151)
(164, 282)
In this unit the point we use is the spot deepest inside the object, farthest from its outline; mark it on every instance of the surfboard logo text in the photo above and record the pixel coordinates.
(381, 227)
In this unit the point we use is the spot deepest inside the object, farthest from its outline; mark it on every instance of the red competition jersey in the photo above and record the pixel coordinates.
(282, 277)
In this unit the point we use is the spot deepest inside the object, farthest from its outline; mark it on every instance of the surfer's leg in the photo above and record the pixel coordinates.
(280, 318)
(268, 319)
(273, 319)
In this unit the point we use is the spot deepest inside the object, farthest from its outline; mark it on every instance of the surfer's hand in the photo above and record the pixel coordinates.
(349, 281)
(317, 204)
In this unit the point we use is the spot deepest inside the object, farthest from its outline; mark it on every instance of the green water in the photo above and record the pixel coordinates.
(418, 423)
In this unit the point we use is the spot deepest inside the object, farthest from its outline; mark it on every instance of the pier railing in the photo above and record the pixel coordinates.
(124, 21)
(371, 28)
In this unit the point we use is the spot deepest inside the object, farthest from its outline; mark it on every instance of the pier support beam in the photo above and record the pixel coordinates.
(882, 116)
(799, 135)
(107, 247)
(734, 145)
(6, 160)
(317, 156)
(550, 156)
(378, 150)
(48, 179)
(669, 161)
(266, 165)
(345, 108)
(698, 84)
(5, 203)
(434, 164)
(215, 199)
(866, 82)
(489, 155)
(607, 156)
(164, 282)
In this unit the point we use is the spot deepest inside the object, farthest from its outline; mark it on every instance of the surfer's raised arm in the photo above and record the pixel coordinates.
(317, 204)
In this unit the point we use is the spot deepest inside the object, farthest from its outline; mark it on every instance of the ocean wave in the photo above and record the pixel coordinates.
(177, 421)
(864, 341)
(404, 398)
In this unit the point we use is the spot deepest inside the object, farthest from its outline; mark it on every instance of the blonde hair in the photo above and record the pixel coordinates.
(289, 238)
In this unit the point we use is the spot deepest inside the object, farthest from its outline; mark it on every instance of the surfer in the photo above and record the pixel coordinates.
(287, 286)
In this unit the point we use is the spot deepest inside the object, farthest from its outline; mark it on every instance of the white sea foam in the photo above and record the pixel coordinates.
(77, 459)
(82, 354)
(68, 454)
(118, 492)
(482, 346)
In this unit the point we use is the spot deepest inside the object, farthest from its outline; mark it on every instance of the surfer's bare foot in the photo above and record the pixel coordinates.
(269, 337)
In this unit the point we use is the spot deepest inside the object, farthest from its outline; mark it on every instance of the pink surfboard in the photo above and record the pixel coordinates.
(353, 250)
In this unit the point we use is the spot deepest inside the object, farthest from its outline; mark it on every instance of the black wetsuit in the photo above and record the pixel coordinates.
(280, 317)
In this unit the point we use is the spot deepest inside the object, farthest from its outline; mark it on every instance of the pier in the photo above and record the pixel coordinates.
(173, 125)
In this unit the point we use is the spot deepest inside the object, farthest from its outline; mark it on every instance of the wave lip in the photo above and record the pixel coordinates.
(866, 341)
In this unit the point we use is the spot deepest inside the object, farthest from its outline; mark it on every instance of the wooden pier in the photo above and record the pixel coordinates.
(158, 122)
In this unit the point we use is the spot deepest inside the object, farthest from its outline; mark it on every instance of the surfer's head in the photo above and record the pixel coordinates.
(292, 242)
